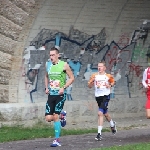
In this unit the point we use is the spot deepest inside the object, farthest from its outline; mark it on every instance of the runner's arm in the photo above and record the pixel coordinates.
(70, 75)
(111, 80)
(144, 79)
(46, 78)
(91, 81)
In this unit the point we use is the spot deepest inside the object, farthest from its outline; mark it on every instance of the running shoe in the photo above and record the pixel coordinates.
(114, 129)
(55, 143)
(98, 137)
(63, 118)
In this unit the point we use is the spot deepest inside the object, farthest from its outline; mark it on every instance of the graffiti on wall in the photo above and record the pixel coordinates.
(82, 52)
(139, 52)
(123, 40)
(148, 55)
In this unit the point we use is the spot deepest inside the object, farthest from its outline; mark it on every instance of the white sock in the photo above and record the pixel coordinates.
(100, 129)
(111, 123)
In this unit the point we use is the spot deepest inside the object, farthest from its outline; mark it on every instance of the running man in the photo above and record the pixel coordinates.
(102, 82)
(146, 84)
(55, 87)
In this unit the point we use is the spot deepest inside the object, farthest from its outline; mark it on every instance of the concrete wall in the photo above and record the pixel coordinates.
(80, 114)
(87, 32)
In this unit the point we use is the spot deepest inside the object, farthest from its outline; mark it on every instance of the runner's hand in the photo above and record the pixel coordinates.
(61, 91)
(108, 86)
(91, 82)
(46, 90)
(147, 86)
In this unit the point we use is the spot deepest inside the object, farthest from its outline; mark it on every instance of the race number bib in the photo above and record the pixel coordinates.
(54, 84)
(100, 84)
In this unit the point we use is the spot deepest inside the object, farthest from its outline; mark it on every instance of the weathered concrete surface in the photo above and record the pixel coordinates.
(4, 95)
(82, 142)
(80, 114)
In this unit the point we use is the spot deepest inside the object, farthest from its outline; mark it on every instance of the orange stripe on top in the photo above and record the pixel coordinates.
(92, 78)
(111, 79)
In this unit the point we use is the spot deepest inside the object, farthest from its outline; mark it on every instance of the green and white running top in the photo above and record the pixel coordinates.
(56, 76)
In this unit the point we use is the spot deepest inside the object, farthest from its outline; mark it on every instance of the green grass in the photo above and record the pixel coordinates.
(139, 146)
(39, 131)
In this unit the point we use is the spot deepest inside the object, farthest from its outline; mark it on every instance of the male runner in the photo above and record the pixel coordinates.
(102, 82)
(55, 87)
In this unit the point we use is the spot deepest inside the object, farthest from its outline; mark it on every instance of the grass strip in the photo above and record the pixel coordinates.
(139, 146)
(21, 133)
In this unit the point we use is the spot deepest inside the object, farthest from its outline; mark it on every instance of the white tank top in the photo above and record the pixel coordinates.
(100, 83)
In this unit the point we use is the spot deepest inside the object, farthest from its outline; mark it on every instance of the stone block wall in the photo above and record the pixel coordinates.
(16, 17)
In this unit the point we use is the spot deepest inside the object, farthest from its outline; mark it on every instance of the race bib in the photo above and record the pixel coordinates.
(100, 84)
(54, 84)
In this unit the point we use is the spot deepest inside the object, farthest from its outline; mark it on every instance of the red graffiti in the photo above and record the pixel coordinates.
(114, 56)
(124, 40)
(141, 87)
(137, 69)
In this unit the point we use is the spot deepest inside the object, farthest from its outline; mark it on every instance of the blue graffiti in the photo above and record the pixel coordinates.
(75, 66)
(89, 71)
(58, 40)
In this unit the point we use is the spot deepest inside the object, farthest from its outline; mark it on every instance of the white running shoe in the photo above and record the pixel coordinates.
(114, 129)
(55, 143)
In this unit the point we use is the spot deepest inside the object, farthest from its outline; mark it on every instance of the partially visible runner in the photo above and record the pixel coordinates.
(102, 82)
(146, 84)
(55, 87)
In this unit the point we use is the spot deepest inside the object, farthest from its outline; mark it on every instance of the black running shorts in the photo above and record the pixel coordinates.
(55, 104)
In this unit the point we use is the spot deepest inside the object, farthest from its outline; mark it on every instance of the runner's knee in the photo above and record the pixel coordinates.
(49, 118)
(55, 117)
(106, 115)
(100, 113)
(148, 117)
